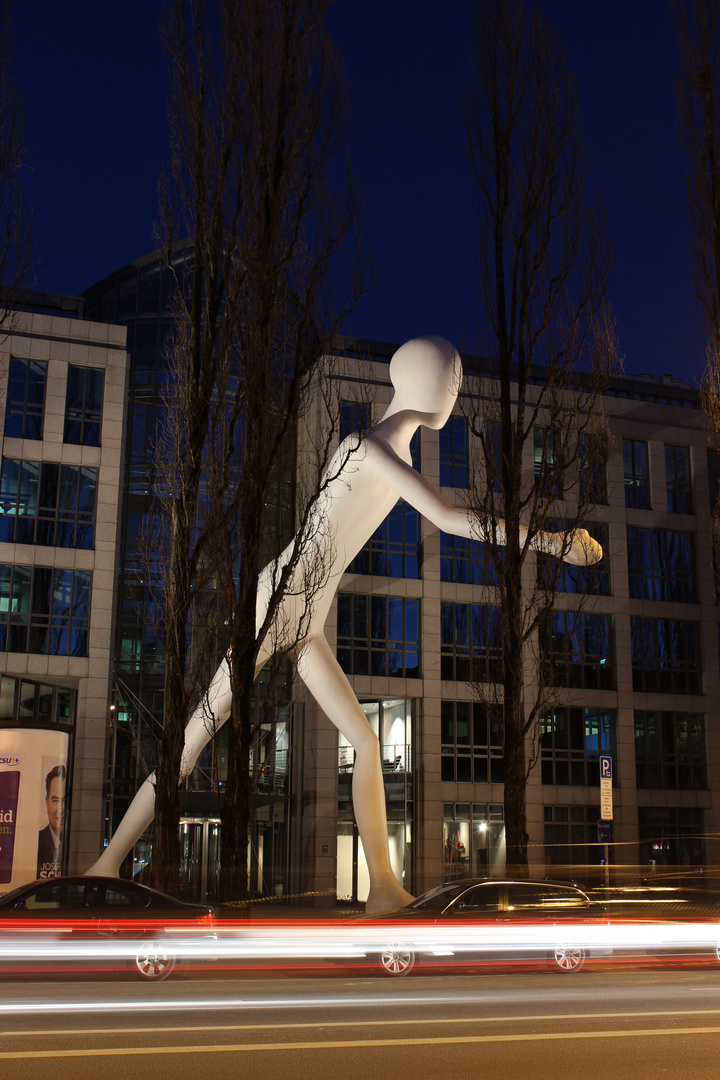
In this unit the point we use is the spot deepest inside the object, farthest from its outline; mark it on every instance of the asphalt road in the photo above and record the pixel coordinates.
(593, 1025)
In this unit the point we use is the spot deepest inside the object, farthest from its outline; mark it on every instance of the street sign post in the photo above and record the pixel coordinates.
(606, 809)
(606, 796)
(603, 832)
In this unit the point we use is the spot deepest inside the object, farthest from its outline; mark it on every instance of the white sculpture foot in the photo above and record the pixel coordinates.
(387, 898)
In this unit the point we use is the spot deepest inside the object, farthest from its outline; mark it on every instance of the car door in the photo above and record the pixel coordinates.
(54, 921)
(548, 915)
(471, 922)
(125, 911)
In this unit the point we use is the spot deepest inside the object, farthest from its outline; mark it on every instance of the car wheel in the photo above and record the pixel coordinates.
(568, 957)
(397, 960)
(154, 962)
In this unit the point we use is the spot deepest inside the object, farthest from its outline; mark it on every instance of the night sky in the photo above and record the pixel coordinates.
(94, 87)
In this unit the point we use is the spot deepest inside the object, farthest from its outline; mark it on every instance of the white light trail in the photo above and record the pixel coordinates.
(273, 942)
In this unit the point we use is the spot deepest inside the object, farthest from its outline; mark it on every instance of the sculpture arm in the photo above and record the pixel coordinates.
(577, 547)
(411, 486)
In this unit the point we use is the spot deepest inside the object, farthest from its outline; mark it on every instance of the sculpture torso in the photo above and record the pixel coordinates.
(354, 503)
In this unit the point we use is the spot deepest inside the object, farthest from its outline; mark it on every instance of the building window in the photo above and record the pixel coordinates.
(556, 575)
(355, 416)
(83, 405)
(637, 474)
(592, 459)
(661, 565)
(392, 721)
(570, 742)
(25, 407)
(378, 635)
(576, 650)
(468, 562)
(472, 743)
(665, 656)
(671, 836)
(473, 840)
(571, 836)
(546, 462)
(493, 455)
(454, 453)
(670, 750)
(393, 549)
(25, 702)
(471, 643)
(713, 460)
(44, 610)
(678, 480)
(48, 504)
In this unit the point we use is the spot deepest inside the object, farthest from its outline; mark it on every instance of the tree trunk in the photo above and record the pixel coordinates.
(237, 809)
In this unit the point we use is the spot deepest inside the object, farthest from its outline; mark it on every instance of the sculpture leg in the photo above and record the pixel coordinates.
(327, 683)
(208, 718)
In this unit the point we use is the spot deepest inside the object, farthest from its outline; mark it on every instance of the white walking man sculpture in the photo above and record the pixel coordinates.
(372, 474)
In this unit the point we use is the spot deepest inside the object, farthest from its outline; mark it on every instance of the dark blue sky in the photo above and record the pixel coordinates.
(94, 87)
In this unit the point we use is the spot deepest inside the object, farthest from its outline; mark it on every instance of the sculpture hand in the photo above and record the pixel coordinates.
(583, 550)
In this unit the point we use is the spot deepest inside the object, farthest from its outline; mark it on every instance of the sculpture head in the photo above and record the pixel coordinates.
(426, 373)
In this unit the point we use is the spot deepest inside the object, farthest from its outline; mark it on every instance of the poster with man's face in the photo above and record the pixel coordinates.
(33, 804)
(50, 837)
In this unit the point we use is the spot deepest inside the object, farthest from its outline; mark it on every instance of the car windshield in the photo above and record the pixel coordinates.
(438, 898)
(9, 899)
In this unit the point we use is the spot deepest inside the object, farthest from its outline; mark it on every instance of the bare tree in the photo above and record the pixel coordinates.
(697, 27)
(18, 240)
(258, 114)
(543, 265)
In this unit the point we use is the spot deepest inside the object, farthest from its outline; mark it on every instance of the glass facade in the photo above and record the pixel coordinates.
(472, 740)
(670, 750)
(28, 703)
(636, 474)
(671, 836)
(468, 562)
(394, 548)
(378, 635)
(44, 610)
(473, 840)
(592, 460)
(665, 656)
(471, 643)
(454, 453)
(25, 405)
(678, 480)
(577, 650)
(571, 741)
(83, 405)
(545, 462)
(355, 416)
(571, 836)
(48, 504)
(661, 565)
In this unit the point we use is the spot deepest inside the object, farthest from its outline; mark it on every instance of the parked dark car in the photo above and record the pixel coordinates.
(478, 920)
(99, 922)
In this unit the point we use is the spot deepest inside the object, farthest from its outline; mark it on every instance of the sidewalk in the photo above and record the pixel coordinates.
(304, 906)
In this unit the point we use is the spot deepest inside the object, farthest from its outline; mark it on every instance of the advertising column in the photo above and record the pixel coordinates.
(33, 800)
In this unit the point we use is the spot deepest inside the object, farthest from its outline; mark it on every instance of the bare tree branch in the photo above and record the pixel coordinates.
(258, 114)
(18, 240)
(543, 265)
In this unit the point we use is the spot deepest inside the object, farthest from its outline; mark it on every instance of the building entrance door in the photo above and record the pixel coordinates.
(199, 860)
